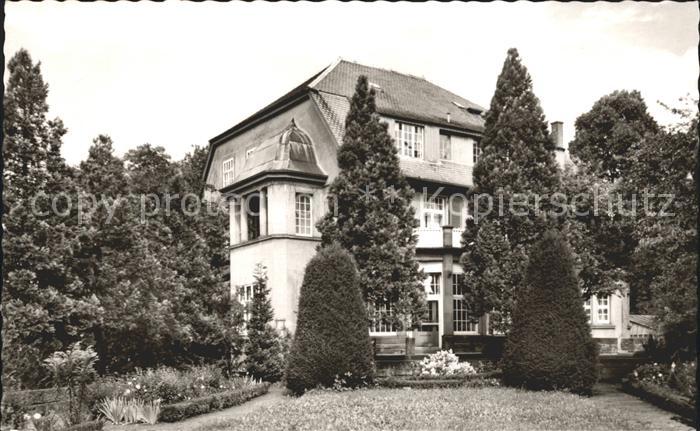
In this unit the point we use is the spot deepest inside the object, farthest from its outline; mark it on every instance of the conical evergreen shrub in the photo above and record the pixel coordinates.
(332, 336)
(550, 344)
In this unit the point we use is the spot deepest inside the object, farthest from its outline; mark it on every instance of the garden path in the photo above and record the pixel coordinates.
(273, 396)
(657, 418)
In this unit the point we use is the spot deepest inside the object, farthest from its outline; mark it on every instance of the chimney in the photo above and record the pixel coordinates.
(558, 135)
(449, 118)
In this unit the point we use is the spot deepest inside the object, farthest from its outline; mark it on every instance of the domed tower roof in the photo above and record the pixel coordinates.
(289, 151)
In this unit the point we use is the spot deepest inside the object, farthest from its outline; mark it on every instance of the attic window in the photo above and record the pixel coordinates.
(470, 109)
(227, 169)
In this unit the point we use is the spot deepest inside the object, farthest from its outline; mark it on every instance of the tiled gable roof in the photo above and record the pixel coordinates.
(401, 95)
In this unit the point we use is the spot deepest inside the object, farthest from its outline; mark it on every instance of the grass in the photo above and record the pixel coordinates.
(502, 409)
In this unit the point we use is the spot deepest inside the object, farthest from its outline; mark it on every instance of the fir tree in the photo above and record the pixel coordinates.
(331, 341)
(516, 168)
(263, 350)
(45, 304)
(550, 344)
(373, 217)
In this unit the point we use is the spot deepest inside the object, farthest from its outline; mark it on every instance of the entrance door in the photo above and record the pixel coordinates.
(428, 334)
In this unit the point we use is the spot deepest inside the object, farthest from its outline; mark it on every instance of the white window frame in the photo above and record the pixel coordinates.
(602, 308)
(445, 138)
(597, 306)
(410, 139)
(227, 169)
(380, 327)
(476, 151)
(303, 217)
(433, 284)
(432, 208)
(461, 324)
(245, 294)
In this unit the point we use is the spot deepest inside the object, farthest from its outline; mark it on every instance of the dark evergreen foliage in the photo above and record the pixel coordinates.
(331, 338)
(263, 350)
(517, 164)
(374, 220)
(101, 273)
(549, 345)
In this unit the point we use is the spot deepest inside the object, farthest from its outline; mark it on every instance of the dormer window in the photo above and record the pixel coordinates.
(410, 138)
(227, 170)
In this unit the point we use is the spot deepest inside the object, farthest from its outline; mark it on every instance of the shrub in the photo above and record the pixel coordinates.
(550, 344)
(86, 426)
(332, 336)
(197, 406)
(264, 346)
(444, 363)
(74, 369)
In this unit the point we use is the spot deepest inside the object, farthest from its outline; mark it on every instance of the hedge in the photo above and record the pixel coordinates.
(86, 426)
(662, 397)
(197, 406)
(426, 382)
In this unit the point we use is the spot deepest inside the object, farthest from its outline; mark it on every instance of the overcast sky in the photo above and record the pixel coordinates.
(177, 74)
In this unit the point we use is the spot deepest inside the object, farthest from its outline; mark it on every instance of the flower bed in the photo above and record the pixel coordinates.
(197, 406)
(669, 386)
(168, 385)
(431, 382)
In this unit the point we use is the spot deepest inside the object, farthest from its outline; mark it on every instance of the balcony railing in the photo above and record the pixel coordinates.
(434, 237)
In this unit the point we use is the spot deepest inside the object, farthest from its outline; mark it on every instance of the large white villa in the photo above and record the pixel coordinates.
(282, 159)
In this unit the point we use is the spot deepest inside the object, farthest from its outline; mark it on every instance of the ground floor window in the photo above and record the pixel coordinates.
(461, 320)
(245, 296)
(382, 318)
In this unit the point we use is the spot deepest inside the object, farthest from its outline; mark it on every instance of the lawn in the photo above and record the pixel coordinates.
(436, 409)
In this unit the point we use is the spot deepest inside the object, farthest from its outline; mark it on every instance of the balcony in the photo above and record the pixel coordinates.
(434, 237)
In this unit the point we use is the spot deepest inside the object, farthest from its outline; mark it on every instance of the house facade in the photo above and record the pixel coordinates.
(275, 169)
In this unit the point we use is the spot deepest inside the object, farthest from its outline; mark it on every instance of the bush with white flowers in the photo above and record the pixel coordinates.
(444, 363)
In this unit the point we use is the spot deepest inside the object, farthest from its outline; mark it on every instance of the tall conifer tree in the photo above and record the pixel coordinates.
(45, 305)
(373, 216)
(516, 167)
